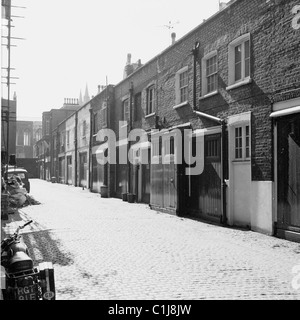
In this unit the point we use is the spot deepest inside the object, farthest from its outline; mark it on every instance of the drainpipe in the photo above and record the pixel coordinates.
(75, 145)
(90, 149)
(222, 123)
(129, 129)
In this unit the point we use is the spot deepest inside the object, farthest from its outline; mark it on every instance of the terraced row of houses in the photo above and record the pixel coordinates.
(232, 83)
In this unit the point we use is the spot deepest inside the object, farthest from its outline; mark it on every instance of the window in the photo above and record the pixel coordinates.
(150, 100)
(20, 138)
(26, 138)
(95, 123)
(38, 135)
(125, 110)
(181, 86)
(68, 138)
(239, 60)
(47, 126)
(210, 73)
(242, 143)
(83, 129)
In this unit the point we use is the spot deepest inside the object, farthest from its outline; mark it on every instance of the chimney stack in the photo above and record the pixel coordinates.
(173, 36)
(128, 58)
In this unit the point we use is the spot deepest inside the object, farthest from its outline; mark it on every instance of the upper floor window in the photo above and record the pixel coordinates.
(210, 73)
(83, 129)
(26, 138)
(38, 135)
(181, 85)
(125, 110)
(95, 123)
(47, 131)
(68, 137)
(239, 60)
(150, 99)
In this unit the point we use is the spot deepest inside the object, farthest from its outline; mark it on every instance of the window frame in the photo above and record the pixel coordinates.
(243, 144)
(150, 108)
(205, 59)
(124, 111)
(178, 88)
(84, 127)
(240, 41)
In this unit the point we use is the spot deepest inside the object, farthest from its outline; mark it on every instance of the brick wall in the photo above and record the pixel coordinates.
(275, 73)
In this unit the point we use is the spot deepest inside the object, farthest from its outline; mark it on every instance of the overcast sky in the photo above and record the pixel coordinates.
(70, 44)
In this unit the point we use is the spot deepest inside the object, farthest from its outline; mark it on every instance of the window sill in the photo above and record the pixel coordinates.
(208, 95)
(180, 105)
(241, 161)
(239, 84)
(150, 115)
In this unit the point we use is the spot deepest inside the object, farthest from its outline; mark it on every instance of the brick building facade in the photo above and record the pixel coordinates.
(228, 94)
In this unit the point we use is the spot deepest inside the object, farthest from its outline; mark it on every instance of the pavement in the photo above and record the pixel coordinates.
(108, 249)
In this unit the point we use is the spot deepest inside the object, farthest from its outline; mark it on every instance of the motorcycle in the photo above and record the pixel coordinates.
(21, 279)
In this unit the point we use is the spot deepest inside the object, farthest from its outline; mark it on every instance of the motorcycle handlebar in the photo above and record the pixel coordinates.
(27, 223)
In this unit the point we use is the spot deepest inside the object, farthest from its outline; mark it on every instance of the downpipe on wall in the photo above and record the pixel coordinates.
(222, 123)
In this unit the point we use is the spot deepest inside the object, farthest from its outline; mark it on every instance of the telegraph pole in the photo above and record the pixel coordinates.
(6, 5)
(8, 83)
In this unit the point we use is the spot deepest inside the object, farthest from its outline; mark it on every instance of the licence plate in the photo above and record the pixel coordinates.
(27, 292)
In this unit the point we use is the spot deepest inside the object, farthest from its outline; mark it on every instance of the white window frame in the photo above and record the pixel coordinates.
(178, 98)
(232, 83)
(150, 111)
(243, 145)
(26, 138)
(207, 57)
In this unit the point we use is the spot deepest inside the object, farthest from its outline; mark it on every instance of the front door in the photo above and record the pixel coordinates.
(83, 169)
(288, 172)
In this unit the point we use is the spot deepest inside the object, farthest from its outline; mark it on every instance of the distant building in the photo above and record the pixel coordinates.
(5, 115)
(44, 147)
(27, 134)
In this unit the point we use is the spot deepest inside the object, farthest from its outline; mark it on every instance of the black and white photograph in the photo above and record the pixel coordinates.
(150, 153)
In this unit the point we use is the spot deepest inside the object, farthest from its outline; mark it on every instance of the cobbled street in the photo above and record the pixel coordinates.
(110, 249)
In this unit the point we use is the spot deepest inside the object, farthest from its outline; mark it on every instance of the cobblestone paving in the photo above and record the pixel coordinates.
(110, 249)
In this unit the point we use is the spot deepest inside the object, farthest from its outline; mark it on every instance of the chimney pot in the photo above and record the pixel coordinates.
(173, 35)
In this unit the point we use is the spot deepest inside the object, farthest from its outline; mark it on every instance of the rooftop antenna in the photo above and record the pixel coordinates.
(170, 26)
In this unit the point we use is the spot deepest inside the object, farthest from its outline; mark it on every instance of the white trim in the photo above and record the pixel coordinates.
(239, 118)
(150, 115)
(207, 131)
(285, 112)
(182, 104)
(240, 83)
(286, 104)
(240, 39)
(209, 95)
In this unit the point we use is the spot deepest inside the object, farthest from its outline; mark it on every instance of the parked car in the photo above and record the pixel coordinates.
(22, 174)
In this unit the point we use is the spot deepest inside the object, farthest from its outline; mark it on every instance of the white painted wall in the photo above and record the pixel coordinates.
(262, 206)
